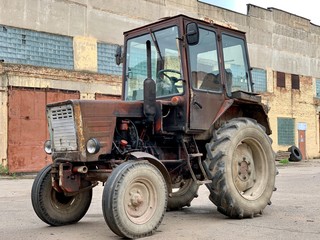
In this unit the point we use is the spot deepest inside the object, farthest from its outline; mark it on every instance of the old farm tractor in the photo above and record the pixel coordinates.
(188, 116)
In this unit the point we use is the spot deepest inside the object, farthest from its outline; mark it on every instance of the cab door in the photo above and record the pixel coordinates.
(206, 80)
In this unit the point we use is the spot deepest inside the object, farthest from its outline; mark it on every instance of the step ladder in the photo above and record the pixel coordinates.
(195, 155)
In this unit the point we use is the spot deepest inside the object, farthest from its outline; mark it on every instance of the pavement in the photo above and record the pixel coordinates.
(294, 213)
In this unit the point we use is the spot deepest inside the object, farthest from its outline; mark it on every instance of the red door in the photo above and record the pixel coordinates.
(27, 126)
(302, 143)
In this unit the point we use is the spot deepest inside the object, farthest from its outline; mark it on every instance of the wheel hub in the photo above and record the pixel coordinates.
(136, 199)
(243, 168)
(140, 202)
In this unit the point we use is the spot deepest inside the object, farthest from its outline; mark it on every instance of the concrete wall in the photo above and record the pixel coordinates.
(89, 18)
(283, 41)
(280, 41)
(287, 42)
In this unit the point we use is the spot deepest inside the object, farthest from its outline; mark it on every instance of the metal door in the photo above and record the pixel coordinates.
(27, 126)
(302, 127)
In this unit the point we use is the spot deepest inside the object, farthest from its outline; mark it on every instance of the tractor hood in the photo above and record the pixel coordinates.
(72, 123)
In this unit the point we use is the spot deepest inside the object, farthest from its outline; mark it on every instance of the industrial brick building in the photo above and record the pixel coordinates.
(52, 50)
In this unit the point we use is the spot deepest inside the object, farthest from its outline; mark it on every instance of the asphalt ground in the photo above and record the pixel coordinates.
(294, 213)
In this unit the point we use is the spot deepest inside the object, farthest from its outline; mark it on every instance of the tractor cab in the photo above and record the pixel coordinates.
(194, 63)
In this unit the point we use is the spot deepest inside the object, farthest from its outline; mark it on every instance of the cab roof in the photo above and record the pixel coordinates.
(204, 21)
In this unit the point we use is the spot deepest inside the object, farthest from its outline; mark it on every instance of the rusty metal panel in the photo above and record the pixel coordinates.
(99, 120)
(204, 108)
(27, 126)
(61, 119)
(95, 119)
(99, 96)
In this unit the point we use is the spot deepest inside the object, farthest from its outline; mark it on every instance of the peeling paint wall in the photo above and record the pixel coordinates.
(3, 121)
(297, 105)
(85, 53)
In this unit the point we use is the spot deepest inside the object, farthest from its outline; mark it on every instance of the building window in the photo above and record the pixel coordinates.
(295, 81)
(106, 59)
(24, 46)
(281, 79)
(259, 77)
(318, 88)
(286, 131)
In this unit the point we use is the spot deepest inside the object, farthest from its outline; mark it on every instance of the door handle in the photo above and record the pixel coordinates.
(197, 104)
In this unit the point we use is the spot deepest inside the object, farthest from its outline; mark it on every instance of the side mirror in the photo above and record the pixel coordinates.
(192, 33)
(118, 55)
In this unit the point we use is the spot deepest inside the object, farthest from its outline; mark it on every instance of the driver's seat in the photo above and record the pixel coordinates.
(211, 82)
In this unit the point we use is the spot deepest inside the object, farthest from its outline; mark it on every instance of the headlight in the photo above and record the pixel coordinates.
(93, 146)
(48, 147)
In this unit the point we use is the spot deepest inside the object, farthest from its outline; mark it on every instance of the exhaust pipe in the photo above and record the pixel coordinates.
(149, 90)
(80, 169)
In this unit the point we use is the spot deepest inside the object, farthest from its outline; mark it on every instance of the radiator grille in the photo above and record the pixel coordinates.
(63, 128)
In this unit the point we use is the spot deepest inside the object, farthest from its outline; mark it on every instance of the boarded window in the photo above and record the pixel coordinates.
(259, 77)
(295, 81)
(286, 131)
(281, 79)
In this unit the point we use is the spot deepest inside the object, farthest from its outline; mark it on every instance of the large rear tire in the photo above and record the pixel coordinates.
(134, 199)
(241, 164)
(54, 208)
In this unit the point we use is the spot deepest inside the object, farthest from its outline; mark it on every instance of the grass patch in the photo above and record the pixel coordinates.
(284, 161)
(4, 170)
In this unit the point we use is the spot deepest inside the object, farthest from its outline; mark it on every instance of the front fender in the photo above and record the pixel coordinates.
(156, 162)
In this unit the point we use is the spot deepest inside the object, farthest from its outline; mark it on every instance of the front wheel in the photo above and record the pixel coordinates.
(241, 164)
(134, 199)
(54, 208)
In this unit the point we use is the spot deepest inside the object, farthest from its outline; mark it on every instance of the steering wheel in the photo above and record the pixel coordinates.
(165, 72)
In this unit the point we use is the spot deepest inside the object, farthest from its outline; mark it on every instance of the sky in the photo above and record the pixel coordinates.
(305, 8)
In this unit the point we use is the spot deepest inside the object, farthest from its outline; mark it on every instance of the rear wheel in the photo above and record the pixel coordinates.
(134, 199)
(183, 193)
(241, 164)
(54, 208)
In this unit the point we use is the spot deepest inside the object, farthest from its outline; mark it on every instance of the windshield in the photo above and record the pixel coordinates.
(165, 64)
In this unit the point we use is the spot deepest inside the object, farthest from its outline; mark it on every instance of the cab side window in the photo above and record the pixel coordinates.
(204, 63)
(236, 64)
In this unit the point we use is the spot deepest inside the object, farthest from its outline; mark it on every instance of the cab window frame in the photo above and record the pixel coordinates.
(217, 55)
